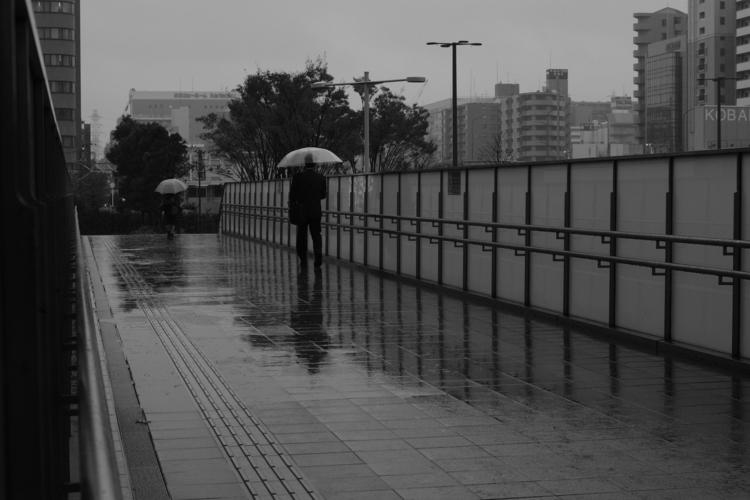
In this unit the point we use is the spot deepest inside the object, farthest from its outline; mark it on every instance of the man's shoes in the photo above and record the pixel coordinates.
(318, 260)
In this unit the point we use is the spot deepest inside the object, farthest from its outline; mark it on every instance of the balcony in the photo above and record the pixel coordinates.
(743, 49)
(743, 14)
(743, 31)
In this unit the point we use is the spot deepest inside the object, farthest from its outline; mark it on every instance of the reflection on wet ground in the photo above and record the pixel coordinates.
(383, 388)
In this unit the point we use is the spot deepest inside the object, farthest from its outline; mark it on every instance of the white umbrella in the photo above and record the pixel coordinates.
(171, 186)
(299, 157)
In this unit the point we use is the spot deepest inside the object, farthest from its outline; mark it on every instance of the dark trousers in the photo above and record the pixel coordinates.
(313, 223)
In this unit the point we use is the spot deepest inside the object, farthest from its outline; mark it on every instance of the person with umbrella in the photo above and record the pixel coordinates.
(170, 209)
(307, 189)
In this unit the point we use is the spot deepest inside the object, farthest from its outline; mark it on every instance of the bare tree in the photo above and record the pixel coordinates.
(495, 151)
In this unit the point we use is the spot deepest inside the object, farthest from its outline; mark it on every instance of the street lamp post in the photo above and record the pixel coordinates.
(609, 150)
(453, 45)
(718, 104)
(366, 105)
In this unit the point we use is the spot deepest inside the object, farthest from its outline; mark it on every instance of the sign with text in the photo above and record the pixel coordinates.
(557, 74)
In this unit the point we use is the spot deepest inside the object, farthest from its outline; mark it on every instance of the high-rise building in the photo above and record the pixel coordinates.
(711, 51)
(742, 54)
(59, 27)
(513, 126)
(665, 94)
(651, 27)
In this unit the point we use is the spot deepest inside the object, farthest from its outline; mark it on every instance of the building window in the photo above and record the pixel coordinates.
(67, 114)
(57, 34)
(722, 21)
(663, 36)
(722, 68)
(55, 7)
(59, 60)
(702, 31)
(722, 52)
(722, 5)
(69, 141)
(663, 22)
(701, 15)
(62, 87)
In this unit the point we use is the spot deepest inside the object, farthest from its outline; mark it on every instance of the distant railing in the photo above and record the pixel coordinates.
(47, 376)
(648, 246)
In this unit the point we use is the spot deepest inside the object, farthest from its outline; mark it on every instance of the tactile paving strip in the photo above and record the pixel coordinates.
(266, 471)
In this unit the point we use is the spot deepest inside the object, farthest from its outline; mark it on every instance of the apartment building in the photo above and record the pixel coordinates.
(59, 28)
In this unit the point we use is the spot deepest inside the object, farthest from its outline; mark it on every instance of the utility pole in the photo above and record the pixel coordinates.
(718, 81)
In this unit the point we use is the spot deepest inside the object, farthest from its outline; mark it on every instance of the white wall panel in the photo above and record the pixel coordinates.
(374, 185)
(480, 191)
(512, 186)
(409, 189)
(359, 190)
(429, 200)
(453, 257)
(590, 200)
(390, 207)
(331, 204)
(548, 186)
(703, 206)
(345, 190)
(745, 297)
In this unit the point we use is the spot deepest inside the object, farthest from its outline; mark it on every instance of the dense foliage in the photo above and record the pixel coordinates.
(144, 155)
(279, 112)
(397, 134)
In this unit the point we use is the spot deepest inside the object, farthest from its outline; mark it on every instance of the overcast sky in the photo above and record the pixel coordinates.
(211, 44)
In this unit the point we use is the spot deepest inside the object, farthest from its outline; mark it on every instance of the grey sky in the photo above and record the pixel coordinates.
(210, 44)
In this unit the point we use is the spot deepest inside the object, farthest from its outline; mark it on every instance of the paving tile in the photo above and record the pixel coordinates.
(189, 454)
(439, 442)
(510, 490)
(335, 471)
(412, 382)
(206, 491)
(443, 493)
(433, 479)
(313, 459)
(579, 486)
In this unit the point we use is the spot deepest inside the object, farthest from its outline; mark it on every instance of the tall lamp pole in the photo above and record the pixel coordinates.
(718, 104)
(366, 105)
(453, 45)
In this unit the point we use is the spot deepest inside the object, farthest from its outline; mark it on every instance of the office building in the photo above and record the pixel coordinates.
(651, 27)
(711, 50)
(178, 112)
(59, 26)
(742, 54)
(666, 91)
(512, 126)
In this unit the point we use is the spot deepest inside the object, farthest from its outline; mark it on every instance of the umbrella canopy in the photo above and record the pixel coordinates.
(297, 158)
(171, 186)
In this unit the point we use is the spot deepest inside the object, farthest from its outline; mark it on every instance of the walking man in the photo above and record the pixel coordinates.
(308, 188)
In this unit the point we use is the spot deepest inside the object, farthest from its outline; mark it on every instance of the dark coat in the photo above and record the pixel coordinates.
(308, 188)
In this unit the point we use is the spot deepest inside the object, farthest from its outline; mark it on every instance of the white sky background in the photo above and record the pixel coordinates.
(211, 44)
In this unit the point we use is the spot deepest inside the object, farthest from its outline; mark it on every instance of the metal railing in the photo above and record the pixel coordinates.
(99, 475)
(488, 230)
(48, 363)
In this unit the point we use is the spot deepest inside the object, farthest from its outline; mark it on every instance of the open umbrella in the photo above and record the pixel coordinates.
(297, 158)
(171, 186)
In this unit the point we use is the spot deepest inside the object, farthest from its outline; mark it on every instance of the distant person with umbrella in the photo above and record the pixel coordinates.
(170, 209)
(308, 189)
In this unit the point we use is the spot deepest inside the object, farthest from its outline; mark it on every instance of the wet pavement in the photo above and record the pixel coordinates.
(258, 381)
